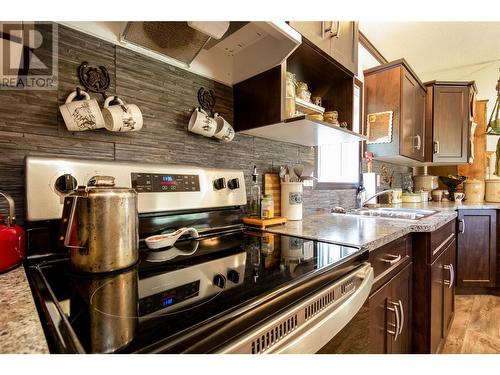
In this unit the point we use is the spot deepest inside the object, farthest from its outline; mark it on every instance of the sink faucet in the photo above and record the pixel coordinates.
(362, 202)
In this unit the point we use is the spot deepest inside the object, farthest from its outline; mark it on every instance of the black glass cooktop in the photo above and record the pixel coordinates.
(161, 301)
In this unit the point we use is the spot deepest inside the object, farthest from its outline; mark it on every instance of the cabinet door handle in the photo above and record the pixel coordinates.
(334, 29)
(402, 317)
(396, 326)
(450, 282)
(461, 222)
(419, 142)
(392, 261)
(436, 147)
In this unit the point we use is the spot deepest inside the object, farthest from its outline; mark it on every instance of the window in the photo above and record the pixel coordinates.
(339, 164)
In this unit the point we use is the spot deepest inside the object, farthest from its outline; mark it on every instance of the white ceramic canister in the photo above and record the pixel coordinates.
(291, 200)
(474, 191)
(492, 190)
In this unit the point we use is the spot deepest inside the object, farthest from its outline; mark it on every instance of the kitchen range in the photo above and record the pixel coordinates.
(249, 187)
(223, 288)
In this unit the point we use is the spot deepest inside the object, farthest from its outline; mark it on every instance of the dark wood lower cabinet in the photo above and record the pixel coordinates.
(442, 296)
(477, 249)
(390, 317)
(434, 280)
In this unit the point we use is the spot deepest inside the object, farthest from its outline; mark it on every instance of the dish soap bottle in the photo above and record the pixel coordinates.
(255, 194)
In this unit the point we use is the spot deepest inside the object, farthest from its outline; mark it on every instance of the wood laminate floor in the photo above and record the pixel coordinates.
(476, 326)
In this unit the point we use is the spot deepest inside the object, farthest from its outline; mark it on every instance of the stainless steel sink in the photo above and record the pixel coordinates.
(395, 213)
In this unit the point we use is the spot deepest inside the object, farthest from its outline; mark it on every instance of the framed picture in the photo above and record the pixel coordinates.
(379, 127)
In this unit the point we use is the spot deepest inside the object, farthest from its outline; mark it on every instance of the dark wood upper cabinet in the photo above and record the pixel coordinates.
(395, 87)
(449, 115)
(477, 248)
(338, 39)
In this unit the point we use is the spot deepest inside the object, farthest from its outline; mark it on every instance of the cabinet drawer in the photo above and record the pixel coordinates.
(439, 238)
(389, 257)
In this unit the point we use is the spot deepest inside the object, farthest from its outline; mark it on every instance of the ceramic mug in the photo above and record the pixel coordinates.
(458, 196)
(80, 115)
(201, 123)
(121, 117)
(224, 131)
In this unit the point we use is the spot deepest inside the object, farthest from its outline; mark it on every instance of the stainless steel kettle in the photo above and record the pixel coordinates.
(100, 226)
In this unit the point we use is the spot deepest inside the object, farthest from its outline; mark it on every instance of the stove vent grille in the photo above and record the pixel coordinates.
(319, 305)
(271, 337)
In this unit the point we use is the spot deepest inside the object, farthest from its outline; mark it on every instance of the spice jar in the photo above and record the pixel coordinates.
(290, 86)
(267, 207)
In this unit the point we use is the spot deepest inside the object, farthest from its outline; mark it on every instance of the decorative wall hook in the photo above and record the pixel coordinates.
(207, 100)
(94, 79)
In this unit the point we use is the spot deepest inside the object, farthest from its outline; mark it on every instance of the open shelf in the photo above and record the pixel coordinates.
(308, 108)
(305, 132)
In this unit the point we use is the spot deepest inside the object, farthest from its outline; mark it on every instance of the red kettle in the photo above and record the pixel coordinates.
(11, 238)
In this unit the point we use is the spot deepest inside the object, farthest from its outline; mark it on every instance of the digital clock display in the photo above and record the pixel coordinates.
(167, 178)
(165, 183)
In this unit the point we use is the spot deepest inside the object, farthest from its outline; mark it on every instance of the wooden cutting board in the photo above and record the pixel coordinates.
(272, 185)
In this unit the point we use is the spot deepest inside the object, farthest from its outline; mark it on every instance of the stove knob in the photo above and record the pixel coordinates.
(233, 183)
(220, 183)
(220, 281)
(66, 183)
(233, 276)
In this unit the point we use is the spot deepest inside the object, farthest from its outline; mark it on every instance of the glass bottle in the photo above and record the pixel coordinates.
(267, 207)
(255, 194)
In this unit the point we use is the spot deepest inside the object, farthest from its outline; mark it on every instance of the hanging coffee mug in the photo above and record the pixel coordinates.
(225, 131)
(121, 117)
(81, 115)
(201, 123)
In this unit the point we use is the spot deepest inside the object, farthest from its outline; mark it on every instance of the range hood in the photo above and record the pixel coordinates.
(228, 52)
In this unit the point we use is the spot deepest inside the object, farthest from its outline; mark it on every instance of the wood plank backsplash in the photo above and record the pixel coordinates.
(30, 122)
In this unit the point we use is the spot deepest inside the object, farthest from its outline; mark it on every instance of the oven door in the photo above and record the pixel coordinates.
(309, 325)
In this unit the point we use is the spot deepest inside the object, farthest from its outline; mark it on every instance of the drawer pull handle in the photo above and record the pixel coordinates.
(392, 261)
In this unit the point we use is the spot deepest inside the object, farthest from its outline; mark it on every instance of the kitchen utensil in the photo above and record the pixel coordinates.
(167, 240)
(437, 195)
(121, 117)
(100, 226)
(201, 123)
(424, 195)
(81, 115)
(397, 195)
(492, 190)
(291, 200)
(411, 197)
(11, 238)
(225, 131)
(474, 191)
(425, 182)
(452, 183)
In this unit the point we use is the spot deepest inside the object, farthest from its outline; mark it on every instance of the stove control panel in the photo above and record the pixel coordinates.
(168, 297)
(164, 183)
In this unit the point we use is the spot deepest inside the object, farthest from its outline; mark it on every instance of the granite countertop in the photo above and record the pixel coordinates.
(20, 328)
(364, 232)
